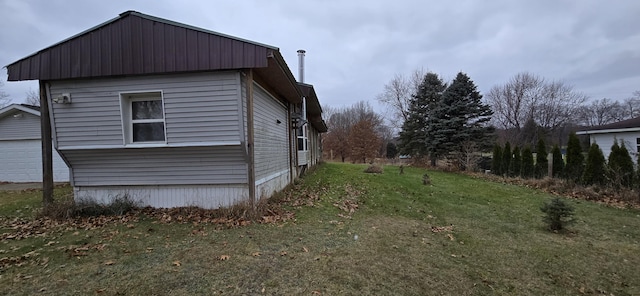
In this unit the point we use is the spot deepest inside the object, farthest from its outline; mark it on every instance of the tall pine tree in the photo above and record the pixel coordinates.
(413, 137)
(458, 117)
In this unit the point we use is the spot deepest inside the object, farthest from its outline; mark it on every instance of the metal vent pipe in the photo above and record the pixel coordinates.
(301, 53)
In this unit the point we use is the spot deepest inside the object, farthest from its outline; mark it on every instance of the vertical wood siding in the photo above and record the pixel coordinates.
(27, 126)
(198, 108)
(271, 137)
(158, 166)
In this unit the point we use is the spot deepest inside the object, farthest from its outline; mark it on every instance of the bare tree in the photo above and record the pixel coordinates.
(557, 105)
(33, 98)
(514, 102)
(601, 112)
(526, 97)
(4, 97)
(364, 142)
(397, 94)
(632, 105)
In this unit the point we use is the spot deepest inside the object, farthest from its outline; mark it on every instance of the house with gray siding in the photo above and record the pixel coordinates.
(625, 132)
(174, 115)
(21, 146)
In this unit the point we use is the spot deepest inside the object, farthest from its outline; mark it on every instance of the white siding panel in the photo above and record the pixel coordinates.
(158, 166)
(605, 141)
(204, 196)
(271, 137)
(21, 161)
(203, 102)
(271, 184)
(19, 125)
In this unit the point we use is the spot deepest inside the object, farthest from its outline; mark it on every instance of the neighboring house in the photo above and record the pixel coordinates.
(174, 115)
(626, 131)
(21, 148)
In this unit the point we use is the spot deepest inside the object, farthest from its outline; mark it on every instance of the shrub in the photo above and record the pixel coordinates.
(89, 207)
(558, 214)
(374, 169)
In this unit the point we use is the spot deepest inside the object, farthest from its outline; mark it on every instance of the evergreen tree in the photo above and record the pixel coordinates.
(506, 159)
(458, 117)
(542, 163)
(621, 168)
(575, 160)
(515, 169)
(558, 162)
(527, 163)
(392, 150)
(413, 137)
(595, 169)
(496, 161)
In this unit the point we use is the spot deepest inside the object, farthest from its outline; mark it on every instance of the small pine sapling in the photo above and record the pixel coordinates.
(558, 214)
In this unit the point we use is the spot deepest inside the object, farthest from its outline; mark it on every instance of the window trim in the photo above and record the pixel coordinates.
(127, 121)
(305, 138)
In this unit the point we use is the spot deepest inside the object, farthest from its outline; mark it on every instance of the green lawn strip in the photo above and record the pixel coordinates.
(459, 235)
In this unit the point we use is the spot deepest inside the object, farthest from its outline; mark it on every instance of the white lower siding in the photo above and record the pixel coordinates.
(265, 187)
(204, 196)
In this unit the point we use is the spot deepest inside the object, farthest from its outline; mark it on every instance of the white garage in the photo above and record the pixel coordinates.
(20, 147)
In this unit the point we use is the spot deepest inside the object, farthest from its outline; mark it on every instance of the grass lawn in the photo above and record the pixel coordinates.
(353, 234)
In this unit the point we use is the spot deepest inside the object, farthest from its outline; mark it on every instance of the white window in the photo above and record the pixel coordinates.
(302, 138)
(143, 117)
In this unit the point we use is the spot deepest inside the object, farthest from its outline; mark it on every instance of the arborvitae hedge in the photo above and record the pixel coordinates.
(621, 168)
(575, 160)
(496, 162)
(506, 158)
(595, 171)
(542, 163)
(516, 163)
(527, 163)
(558, 162)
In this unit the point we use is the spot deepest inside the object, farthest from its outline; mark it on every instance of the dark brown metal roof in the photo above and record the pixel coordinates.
(624, 124)
(314, 110)
(136, 44)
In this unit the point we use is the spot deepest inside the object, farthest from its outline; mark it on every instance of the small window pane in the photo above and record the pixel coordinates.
(148, 132)
(146, 109)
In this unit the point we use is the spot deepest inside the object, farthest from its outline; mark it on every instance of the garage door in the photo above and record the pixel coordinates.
(21, 161)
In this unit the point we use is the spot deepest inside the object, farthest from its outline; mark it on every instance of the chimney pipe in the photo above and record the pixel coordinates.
(301, 53)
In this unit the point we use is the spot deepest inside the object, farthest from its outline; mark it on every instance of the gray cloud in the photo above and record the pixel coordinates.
(355, 47)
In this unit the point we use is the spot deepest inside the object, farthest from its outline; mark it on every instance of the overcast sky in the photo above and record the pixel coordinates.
(355, 47)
